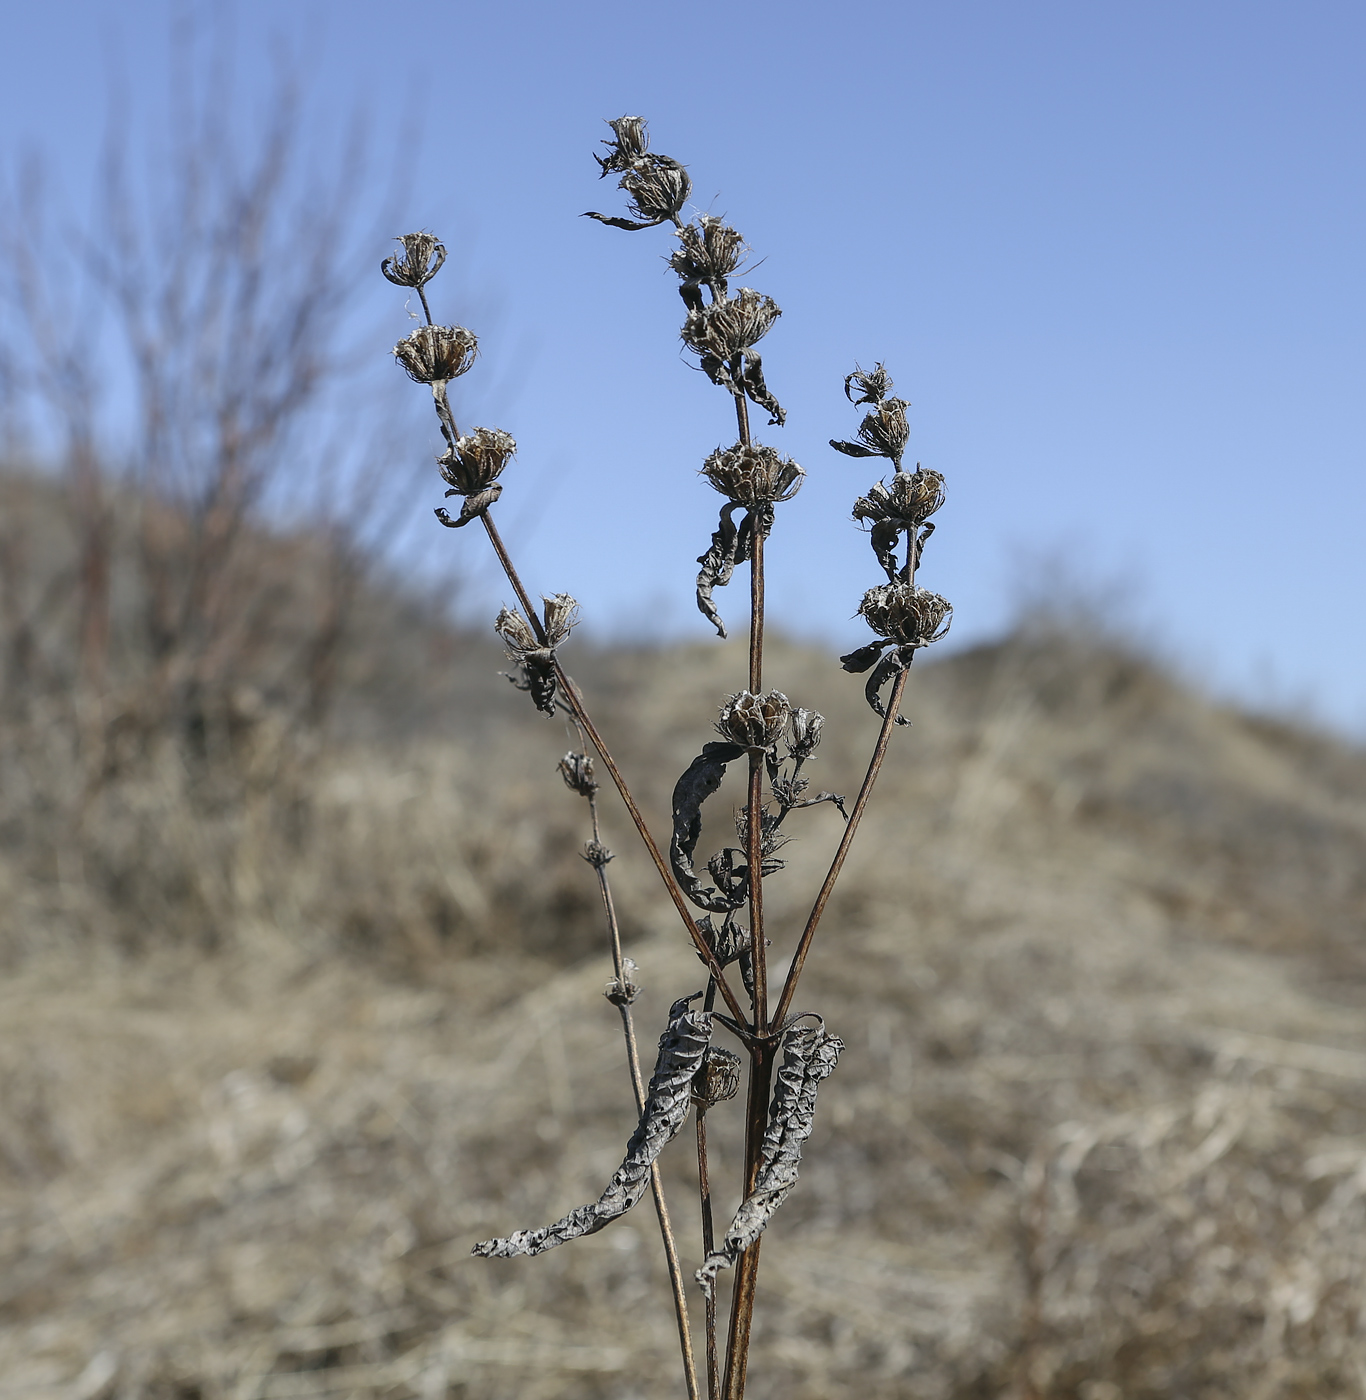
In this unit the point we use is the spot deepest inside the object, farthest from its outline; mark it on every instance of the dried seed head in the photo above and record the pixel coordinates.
(910, 499)
(873, 385)
(912, 616)
(717, 1078)
(632, 140)
(596, 854)
(750, 474)
(710, 251)
(435, 354)
(623, 990)
(657, 189)
(806, 733)
(577, 771)
(756, 721)
(883, 433)
(476, 460)
(728, 327)
(420, 261)
(561, 615)
(516, 633)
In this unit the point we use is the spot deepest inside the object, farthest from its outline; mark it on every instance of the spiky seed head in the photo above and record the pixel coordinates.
(516, 633)
(477, 459)
(631, 141)
(577, 771)
(435, 354)
(717, 1078)
(756, 721)
(710, 250)
(873, 385)
(420, 261)
(806, 732)
(623, 990)
(561, 615)
(728, 327)
(751, 474)
(912, 616)
(657, 188)
(910, 498)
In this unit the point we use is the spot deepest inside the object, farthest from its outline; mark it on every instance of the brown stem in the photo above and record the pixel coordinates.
(747, 1268)
(572, 695)
(850, 827)
(676, 1280)
(708, 1244)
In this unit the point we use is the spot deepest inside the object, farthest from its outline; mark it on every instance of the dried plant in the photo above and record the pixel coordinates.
(773, 738)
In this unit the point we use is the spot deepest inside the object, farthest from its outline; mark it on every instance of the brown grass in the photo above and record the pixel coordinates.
(1100, 1131)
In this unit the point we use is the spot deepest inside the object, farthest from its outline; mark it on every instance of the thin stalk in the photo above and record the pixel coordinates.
(680, 1292)
(708, 1244)
(760, 1055)
(576, 705)
(850, 827)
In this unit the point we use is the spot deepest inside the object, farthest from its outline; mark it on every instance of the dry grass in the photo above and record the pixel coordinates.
(1100, 1131)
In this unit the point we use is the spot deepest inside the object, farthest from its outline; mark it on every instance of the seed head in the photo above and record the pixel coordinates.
(476, 460)
(912, 616)
(577, 771)
(632, 140)
(516, 633)
(873, 385)
(806, 733)
(750, 474)
(657, 189)
(756, 721)
(420, 261)
(435, 354)
(726, 328)
(717, 1078)
(561, 615)
(883, 433)
(910, 499)
(710, 251)
(623, 990)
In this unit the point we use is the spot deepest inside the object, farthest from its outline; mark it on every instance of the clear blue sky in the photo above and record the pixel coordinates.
(1112, 253)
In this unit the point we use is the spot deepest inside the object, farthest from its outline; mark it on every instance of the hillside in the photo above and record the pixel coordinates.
(1100, 1130)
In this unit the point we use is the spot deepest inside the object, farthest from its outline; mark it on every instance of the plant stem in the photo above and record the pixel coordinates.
(575, 699)
(850, 827)
(708, 1244)
(638, 1087)
(760, 1055)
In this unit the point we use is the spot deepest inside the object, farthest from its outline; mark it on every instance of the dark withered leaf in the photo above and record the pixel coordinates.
(864, 657)
(891, 666)
(753, 379)
(700, 779)
(681, 1050)
(853, 449)
(730, 545)
(471, 508)
(810, 1054)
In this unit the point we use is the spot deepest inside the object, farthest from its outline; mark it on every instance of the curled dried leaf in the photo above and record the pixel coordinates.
(681, 1049)
(730, 545)
(809, 1056)
(700, 779)
(471, 508)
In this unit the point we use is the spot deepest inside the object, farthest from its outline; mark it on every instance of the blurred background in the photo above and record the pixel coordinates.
(301, 963)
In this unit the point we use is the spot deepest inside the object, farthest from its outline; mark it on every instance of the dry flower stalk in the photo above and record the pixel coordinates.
(763, 727)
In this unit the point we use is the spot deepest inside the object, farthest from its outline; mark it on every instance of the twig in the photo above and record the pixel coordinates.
(623, 1005)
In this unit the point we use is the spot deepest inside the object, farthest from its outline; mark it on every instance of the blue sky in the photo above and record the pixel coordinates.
(1113, 254)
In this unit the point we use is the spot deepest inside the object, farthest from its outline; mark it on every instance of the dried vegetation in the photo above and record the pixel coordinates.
(1102, 1128)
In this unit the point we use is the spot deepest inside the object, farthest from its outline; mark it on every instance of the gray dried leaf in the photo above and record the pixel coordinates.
(809, 1055)
(471, 508)
(730, 545)
(681, 1049)
(700, 779)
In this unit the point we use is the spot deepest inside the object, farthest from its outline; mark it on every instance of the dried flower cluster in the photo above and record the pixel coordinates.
(760, 729)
